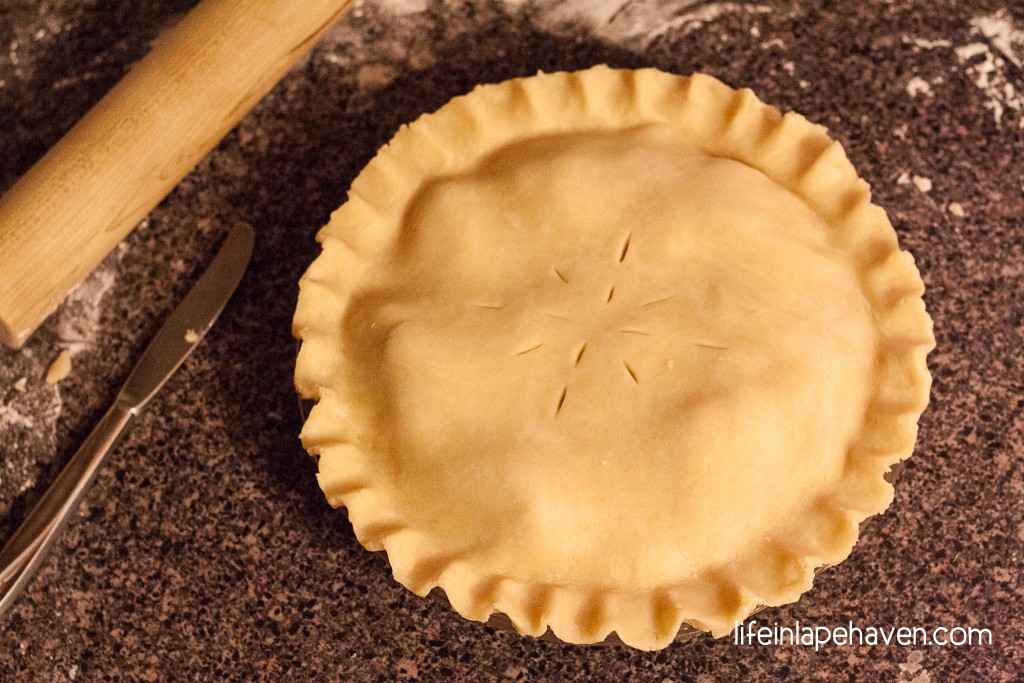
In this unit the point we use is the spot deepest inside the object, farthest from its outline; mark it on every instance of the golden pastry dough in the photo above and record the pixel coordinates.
(60, 369)
(611, 351)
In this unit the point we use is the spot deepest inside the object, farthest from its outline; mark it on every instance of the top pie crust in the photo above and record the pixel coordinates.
(611, 351)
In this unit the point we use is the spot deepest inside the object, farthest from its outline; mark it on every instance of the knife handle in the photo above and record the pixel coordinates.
(25, 551)
(70, 210)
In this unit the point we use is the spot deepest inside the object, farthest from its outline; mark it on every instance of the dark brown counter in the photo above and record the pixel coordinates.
(206, 550)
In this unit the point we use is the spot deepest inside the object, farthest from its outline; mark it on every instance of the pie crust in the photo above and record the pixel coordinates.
(611, 351)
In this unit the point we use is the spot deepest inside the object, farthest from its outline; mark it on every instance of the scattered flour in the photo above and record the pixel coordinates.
(404, 7)
(971, 50)
(28, 423)
(640, 23)
(29, 406)
(957, 209)
(375, 62)
(1002, 34)
(914, 666)
(925, 44)
(9, 416)
(985, 62)
(595, 12)
(80, 313)
(989, 72)
(923, 184)
(914, 660)
(376, 58)
(648, 19)
(918, 86)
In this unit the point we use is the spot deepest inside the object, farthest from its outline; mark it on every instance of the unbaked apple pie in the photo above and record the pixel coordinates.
(611, 351)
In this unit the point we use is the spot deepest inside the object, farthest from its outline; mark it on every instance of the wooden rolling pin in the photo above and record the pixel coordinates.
(89, 191)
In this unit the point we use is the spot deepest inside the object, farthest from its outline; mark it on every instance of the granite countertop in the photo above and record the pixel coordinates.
(206, 550)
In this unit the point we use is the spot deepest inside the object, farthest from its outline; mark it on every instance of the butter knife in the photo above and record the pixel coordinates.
(179, 336)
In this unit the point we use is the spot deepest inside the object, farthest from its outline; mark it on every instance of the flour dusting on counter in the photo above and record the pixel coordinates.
(30, 394)
(621, 21)
(403, 7)
(923, 184)
(10, 416)
(629, 22)
(80, 313)
(1000, 31)
(29, 409)
(987, 67)
(925, 43)
(918, 86)
(376, 60)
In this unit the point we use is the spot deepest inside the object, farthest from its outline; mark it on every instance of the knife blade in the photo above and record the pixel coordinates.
(24, 552)
(189, 323)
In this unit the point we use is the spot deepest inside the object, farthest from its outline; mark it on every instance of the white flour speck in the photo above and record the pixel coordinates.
(403, 7)
(925, 44)
(965, 52)
(923, 184)
(957, 209)
(918, 86)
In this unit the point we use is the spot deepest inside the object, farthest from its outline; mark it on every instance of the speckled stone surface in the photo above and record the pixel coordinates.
(206, 550)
